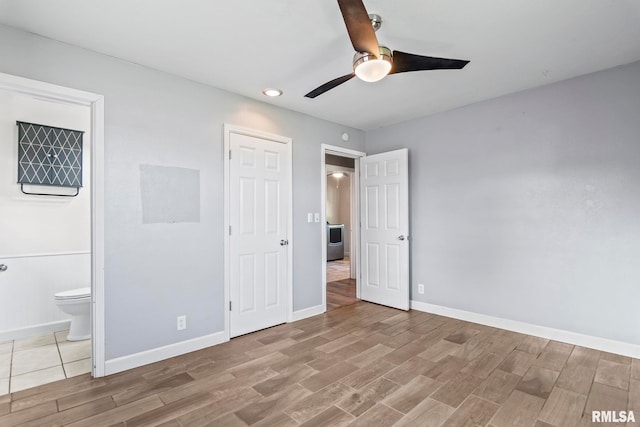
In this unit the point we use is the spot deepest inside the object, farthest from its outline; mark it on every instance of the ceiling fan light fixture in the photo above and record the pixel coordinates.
(371, 69)
(372, 62)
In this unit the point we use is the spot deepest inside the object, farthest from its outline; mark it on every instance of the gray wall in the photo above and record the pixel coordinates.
(527, 207)
(155, 272)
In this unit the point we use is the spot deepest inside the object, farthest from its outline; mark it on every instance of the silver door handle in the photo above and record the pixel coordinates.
(284, 242)
(401, 237)
(3, 267)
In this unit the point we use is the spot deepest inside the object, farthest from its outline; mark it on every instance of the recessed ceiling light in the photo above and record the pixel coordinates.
(272, 92)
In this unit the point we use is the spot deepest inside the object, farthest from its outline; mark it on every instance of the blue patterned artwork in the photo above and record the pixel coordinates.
(49, 156)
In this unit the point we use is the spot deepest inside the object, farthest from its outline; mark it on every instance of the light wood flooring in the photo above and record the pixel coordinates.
(359, 365)
(340, 293)
(341, 289)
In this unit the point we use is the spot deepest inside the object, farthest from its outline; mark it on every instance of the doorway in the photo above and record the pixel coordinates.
(341, 279)
(54, 240)
(340, 212)
(379, 253)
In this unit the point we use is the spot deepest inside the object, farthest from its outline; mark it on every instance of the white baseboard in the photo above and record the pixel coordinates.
(603, 344)
(161, 353)
(308, 312)
(34, 331)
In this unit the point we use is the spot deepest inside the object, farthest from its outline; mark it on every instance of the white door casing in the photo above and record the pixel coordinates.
(355, 206)
(259, 206)
(95, 103)
(384, 199)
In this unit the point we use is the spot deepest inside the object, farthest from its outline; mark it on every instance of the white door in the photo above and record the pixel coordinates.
(384, 208)
(259, 205)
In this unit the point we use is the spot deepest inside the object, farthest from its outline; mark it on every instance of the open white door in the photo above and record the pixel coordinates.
(258, 234)
(384, 244)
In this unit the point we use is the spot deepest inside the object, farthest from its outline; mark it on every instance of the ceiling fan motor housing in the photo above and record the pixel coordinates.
(360, 57)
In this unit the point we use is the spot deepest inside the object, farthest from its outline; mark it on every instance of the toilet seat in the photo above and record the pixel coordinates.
(73, 294)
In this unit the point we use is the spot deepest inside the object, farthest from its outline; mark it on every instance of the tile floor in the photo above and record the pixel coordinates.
(338, 270)
(30, 362)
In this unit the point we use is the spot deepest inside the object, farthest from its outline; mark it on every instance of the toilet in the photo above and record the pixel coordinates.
(76, 303)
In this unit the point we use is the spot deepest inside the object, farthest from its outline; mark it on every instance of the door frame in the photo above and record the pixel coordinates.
(228, 129)
(355, 213)
(95, 103)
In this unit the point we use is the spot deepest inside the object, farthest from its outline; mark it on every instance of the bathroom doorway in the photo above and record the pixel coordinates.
(47, 143)
(340, 213)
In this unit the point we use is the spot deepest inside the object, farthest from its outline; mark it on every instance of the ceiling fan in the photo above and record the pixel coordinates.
(373, 62)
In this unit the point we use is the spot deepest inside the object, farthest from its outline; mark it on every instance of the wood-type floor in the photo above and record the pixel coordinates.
(359, 365)
(340, 293)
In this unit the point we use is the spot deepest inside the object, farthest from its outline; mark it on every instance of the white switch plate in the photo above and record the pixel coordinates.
(309, 217)
(420, 288)
(182, 322)
(316, 217)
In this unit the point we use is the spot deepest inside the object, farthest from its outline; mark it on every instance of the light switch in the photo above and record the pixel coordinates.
(309, 217)
(316, 217)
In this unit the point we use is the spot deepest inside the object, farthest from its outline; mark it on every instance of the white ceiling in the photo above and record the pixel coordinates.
(244, 46)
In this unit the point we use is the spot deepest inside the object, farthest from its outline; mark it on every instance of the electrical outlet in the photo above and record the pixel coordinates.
(182, 322)
(420, 288)
(316, 217)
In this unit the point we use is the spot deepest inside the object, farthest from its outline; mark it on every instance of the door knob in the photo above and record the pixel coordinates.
(3, 267)
(284, 242)
(401, 237)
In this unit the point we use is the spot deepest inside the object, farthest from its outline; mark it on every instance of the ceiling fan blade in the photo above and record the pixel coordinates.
(329, 85)
(404, 62)
(363, 37)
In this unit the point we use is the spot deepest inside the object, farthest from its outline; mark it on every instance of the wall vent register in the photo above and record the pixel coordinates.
(49, 156)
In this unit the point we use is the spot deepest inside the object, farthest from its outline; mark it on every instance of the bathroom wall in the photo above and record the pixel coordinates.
(27, 287)
(45, 241)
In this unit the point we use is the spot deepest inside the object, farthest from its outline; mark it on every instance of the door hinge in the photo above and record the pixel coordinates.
(229, 230)
(229, 305)
(229, 154)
